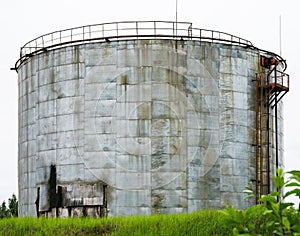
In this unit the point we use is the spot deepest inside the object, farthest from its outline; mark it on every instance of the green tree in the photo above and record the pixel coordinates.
(11, 210)
(13, 206)
(3, 210)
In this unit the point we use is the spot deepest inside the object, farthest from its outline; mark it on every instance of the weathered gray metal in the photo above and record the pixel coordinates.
(137, 126)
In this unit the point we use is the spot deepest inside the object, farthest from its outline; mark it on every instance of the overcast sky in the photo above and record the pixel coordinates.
(255, 20)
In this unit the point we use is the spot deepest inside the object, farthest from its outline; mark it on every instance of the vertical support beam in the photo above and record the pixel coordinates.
(268, 179)
(276, 133)
(276, 120)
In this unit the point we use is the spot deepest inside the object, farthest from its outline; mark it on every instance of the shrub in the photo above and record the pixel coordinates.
(274, 216)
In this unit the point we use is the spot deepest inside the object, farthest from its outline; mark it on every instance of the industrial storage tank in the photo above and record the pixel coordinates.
(146, 117)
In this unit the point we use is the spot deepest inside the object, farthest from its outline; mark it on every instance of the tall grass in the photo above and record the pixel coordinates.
(197, 223)
(207, 222)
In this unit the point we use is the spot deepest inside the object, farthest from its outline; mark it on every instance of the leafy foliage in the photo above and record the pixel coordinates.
(13, 206)
(11, 210)
(3, 210)
(280, 217)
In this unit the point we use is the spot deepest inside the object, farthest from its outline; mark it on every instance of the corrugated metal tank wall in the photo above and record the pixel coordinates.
(168, 126)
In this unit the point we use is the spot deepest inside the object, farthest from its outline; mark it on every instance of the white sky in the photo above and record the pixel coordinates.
(255, 20)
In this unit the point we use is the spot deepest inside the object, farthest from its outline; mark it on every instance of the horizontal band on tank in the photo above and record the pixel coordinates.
(129, 30)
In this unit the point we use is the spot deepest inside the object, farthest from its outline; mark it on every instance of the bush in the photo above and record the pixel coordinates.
(275, 216)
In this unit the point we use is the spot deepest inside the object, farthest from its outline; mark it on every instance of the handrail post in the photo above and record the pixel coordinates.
(275, 72)
(117, 27)
(173, 30)
(36, 46)
(190, 34)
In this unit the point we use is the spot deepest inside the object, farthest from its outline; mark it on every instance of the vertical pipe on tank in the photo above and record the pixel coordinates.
(276, 123)
(268, 143)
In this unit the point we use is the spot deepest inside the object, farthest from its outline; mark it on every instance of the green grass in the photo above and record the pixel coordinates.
(207, 222)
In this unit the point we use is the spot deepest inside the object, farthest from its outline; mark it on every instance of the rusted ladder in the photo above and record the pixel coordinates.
(271, 86)
(262, 138)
